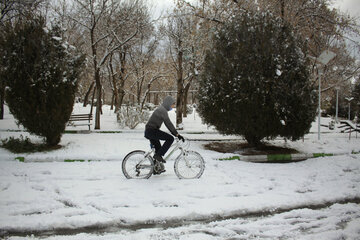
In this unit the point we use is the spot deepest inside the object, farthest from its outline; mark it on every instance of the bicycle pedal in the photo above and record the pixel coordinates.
(159, 172)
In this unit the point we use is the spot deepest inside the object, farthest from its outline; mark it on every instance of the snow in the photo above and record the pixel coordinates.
(57, 38)
(313, 199)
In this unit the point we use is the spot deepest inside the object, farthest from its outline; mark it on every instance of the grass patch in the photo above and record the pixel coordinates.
(108, 131)
(71, 131)
(196, 133)
(74, 160)
(20, 159)
(316, 155)
(78, 160)
(24, 145)
(230, 158)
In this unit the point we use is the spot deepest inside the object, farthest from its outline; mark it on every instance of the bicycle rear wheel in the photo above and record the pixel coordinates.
(137, 165)
(189, 165)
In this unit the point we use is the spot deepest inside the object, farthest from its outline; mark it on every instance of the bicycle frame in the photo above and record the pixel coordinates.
(174, 147)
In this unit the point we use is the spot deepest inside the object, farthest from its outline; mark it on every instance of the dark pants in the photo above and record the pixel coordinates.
(155, 135)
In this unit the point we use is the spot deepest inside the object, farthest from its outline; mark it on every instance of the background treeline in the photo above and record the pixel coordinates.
(131, 54)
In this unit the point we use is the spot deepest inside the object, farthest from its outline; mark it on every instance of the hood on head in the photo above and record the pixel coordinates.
(168, 101)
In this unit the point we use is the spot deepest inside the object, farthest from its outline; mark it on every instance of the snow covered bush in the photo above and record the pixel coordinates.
(189, 109)
(255, 80)
(131, 116)
(23, 145)
(41, 73)
(149, 106)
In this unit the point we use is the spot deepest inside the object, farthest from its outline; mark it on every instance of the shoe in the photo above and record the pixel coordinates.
(159, 158)
(159, 168)
(158, 173)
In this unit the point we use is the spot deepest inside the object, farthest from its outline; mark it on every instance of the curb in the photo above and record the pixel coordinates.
(274, 158)
(54, 159)
(270, 158)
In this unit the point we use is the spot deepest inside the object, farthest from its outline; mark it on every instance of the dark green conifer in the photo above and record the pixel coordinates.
(356, 102)
(41, 73)
(256, 82)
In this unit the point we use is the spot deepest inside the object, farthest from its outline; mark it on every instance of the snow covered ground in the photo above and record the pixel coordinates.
(45, 197)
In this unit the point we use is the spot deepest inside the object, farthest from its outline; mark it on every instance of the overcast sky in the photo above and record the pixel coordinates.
(351, 6)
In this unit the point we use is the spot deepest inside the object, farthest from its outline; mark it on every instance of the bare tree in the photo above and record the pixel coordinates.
(175, 31)
(315, 20)
(120, 66)
(323, 28)
(217, 11)
(17, 9)
(98, 19)
(117, 76)
(146, 68)
(187, 38)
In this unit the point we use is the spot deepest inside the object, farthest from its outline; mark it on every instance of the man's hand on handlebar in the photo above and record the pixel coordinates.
(181, 137)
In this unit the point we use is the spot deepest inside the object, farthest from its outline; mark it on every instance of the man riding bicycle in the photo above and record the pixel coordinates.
(154, 134)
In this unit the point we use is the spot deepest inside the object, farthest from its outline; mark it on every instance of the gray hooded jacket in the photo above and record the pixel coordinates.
(160, 115)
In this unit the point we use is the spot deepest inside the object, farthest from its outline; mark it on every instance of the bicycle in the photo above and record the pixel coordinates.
(140, 164)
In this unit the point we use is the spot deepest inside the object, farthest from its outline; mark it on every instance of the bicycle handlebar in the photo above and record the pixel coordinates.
(185, 144)
(185, 139)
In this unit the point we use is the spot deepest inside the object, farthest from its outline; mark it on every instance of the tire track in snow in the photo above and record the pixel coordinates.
(116, 226)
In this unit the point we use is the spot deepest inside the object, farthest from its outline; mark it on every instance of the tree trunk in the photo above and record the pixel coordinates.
(156, 99)
(92, 101)
(86, 99)
(147, 93)
(98, 99)
(52, 140)
(122, 79)
(96, 75)
(2, 99)
(103, 96)
(112, 101)
(186, 91)
(253, 140)
(187, 87)
(115, 97)
(282, 9)
(140, 84)
(180, 88)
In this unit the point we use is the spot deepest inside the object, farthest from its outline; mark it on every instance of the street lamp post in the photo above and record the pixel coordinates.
(319, 113)
(349, 99)
(337, 104)
(324, 58)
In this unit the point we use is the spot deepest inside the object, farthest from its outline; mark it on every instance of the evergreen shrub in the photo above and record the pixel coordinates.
(356, 101)
(256, 82)
(41, 72)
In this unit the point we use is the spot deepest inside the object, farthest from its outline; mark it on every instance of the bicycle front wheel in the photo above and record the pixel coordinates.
(189, 165)
(137, 165)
